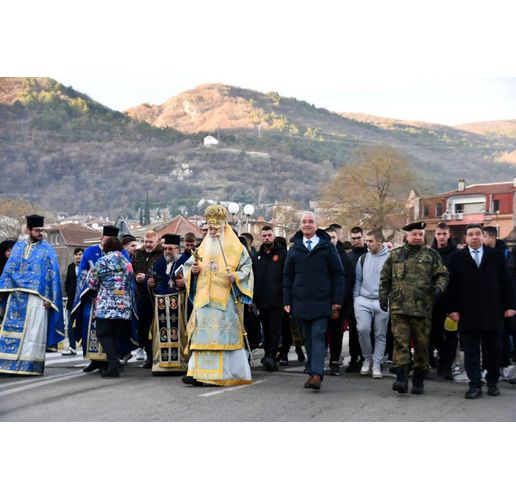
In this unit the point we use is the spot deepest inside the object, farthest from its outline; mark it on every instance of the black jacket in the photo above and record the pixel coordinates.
(312, 281)
(143, 262)
(446, 255)
(70, 285)
(268, 277)
(349, 276)
(447, 252)
(479, 294)
(355, 254)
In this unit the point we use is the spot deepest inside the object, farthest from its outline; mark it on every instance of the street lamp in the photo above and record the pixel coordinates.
(234, 209)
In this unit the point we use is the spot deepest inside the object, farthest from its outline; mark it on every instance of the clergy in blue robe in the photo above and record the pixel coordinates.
(30, 287)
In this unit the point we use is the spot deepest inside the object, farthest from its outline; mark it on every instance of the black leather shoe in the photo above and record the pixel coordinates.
(473, 393)
(334, 369)
(269, 364)
(191, 381)
(300, 354)
(283, 361)
(492, 390)
(354, 366)
(147, 364)
(94, 365)
(110, 373)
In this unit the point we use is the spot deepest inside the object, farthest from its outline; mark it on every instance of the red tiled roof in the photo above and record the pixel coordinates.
(179, 225)
(76, 235)
(493, 188)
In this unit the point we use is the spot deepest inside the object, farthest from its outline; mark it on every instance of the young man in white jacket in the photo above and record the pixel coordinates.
(367, 305)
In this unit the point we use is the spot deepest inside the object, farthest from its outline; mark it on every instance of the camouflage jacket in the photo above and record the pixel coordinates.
(408, 277)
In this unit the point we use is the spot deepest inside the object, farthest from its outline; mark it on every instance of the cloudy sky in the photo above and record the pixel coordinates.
(441, 61)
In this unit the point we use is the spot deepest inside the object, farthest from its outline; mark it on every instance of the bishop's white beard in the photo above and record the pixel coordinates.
(212, 248)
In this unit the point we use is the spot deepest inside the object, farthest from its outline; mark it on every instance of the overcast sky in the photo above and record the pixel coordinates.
(441, 61)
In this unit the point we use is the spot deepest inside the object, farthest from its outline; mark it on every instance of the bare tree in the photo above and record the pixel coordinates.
(372, 189)
(12, 217)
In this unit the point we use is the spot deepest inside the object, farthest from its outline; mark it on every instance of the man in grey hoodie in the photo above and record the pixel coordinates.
(367, 304)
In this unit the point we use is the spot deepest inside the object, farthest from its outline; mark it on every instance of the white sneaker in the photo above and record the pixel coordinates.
(140, 355)
(377, 371)
(505, 373)
(366, 367)
(68, 351)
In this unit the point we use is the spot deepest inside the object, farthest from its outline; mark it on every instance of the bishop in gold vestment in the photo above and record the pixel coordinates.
(219, 281)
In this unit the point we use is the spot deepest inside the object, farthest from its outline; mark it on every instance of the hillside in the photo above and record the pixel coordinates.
(442, 153)
(64, 151)
(504, 128)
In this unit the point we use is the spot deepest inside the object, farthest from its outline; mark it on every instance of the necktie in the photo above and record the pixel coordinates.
(477, 257)
(309, 245)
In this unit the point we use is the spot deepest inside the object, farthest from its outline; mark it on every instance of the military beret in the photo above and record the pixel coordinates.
(414, 225)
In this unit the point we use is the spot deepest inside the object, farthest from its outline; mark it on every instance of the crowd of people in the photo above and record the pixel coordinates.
(203, 310)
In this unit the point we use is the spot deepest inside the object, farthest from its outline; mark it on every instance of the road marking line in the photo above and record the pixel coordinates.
(214, 393)
(31, 380)
(39, 383)
(64, 360)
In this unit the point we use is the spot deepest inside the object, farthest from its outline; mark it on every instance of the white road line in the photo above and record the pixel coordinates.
(63, 360)
(214, 393)
(39, 383)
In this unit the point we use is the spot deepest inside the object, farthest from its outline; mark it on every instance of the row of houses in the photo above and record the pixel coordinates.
(490, 204)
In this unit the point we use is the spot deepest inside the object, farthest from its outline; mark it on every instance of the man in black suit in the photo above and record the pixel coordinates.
(480, 296)
(70, 285)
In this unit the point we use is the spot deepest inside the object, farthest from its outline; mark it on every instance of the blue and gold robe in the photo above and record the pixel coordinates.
(31, 277)
(216, 328)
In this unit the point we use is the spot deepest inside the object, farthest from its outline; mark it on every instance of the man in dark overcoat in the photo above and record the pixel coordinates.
(479, 298)
(313, 287)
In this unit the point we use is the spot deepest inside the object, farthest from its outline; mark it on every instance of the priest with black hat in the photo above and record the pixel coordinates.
(411, 278)
(82, 310)
(30, 290)
(169, 332)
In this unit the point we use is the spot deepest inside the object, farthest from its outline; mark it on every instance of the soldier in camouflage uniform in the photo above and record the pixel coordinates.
(411, 278)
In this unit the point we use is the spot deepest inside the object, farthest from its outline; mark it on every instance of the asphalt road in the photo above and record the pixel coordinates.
(65, 393)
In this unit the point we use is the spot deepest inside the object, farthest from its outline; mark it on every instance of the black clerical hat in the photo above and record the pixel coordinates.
(35, 221)
(414, 225)
(172, 239)
(110, 231)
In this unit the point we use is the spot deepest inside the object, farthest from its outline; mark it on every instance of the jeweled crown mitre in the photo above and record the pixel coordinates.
(216, 215)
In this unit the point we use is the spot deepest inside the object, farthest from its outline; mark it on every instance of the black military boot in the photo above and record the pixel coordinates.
(417, 381)
(401, 383)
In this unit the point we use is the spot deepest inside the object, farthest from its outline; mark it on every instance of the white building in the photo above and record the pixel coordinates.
(209, 140)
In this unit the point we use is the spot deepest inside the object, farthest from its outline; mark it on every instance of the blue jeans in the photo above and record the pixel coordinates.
(314, 332)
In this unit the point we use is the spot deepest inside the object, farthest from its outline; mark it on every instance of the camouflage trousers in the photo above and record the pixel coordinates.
(403, 329)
